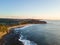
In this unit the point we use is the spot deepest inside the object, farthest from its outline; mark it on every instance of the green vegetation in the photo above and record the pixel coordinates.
(3, 28)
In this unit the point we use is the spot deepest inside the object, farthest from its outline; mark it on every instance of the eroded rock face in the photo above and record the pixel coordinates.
(12, 39)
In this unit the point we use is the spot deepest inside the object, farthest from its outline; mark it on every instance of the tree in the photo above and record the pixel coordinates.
(3, 28)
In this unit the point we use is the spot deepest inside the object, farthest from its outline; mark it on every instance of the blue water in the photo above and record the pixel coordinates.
(41, 34)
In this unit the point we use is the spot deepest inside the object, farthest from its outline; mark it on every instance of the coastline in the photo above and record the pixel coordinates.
(10, 28)
(18, 26)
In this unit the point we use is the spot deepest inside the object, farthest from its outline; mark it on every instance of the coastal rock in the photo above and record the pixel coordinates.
(12, 39)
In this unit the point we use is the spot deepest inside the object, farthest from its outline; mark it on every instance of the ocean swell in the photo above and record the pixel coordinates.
(25, 41)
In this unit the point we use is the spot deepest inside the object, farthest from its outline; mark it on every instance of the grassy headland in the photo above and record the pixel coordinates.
(6, 23)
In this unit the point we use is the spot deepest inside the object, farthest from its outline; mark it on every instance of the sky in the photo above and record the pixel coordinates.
(39, 9)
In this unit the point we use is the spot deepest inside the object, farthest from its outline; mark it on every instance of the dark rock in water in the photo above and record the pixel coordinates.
(12, 39)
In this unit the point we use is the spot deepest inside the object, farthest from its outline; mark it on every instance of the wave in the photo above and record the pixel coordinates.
(22, 27)
(25, 41)
(25, 26)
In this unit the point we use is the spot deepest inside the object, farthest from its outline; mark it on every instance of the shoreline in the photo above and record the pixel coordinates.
(9, 29)
(18, 26)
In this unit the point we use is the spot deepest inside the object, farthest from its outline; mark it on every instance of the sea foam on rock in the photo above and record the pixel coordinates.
(12, 38)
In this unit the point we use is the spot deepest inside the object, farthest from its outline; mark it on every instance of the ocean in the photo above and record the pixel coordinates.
(40, 34)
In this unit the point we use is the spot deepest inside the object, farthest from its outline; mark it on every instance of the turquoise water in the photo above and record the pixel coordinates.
(41, 34)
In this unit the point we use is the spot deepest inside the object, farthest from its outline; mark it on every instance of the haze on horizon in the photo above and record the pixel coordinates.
(39, 9)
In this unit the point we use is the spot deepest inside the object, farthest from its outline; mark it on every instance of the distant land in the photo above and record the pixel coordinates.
(11, 22)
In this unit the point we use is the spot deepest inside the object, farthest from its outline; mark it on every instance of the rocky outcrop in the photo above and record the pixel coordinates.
(12, 38)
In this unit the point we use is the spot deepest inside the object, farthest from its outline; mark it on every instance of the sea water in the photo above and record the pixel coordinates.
(41, 34)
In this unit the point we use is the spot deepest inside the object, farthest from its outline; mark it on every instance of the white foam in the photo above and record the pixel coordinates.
(26, 42)
(23, 27)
